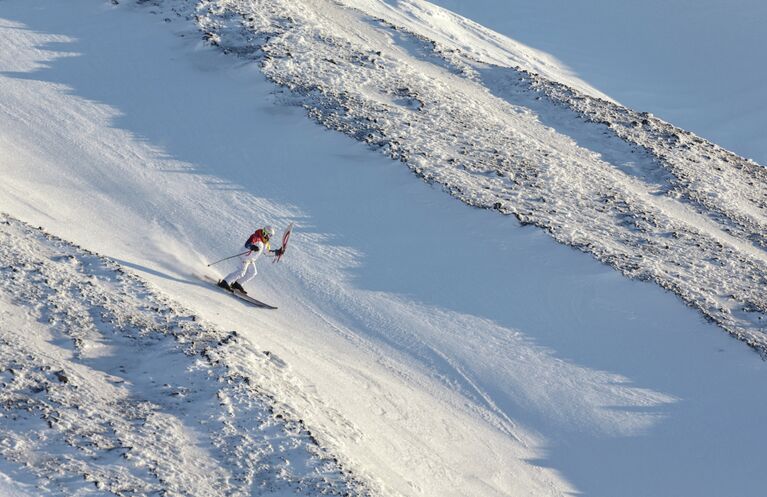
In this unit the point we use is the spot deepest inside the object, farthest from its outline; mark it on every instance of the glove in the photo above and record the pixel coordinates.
(254, 248)
(279, 251)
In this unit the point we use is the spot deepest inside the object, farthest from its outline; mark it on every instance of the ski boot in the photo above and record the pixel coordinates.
(238, 287)
(223, 284)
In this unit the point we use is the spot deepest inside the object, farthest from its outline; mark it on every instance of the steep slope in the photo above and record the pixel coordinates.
(656, 56)
(501, 126)
(109, 388)
(434, 348)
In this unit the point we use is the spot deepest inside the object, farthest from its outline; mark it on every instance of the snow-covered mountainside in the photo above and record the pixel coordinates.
(422, 347)
(501, 127)
(690, 62)
(110, 388)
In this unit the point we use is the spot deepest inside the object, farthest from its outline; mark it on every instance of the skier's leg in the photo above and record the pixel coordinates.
(240, 271)
(248, 275)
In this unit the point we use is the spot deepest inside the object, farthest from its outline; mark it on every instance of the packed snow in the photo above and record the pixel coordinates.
(421, 346)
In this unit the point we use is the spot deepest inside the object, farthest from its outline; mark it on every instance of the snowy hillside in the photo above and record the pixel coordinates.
(495, 125)
(422, 347)
(108, 386)
(694, 63)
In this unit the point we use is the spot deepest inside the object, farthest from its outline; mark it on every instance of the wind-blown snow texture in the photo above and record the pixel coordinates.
(109, 387)
(500, 126)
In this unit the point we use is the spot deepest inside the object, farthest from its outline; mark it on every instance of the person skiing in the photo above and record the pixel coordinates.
(257, 244)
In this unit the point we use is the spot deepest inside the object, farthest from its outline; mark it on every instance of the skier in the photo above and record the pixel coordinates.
(257, 244)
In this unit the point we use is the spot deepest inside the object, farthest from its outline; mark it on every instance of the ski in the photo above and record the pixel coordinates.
(251, 300)
(242, 296)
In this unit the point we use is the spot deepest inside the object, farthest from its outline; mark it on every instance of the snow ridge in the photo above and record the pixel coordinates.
(654, 201)
(108, 387)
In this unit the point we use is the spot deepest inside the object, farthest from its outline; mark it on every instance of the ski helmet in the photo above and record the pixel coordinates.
(268, 232)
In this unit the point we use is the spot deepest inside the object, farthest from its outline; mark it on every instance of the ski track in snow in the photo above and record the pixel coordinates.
(109, 387)
(500, 126)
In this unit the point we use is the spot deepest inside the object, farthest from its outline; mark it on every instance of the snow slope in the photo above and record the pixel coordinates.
(501, 127)
(694, 63)
(435, 349)
(109, 388)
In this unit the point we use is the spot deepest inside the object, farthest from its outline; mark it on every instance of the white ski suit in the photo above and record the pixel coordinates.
(247, 270)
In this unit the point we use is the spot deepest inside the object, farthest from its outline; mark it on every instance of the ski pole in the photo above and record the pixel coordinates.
(230, 257)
